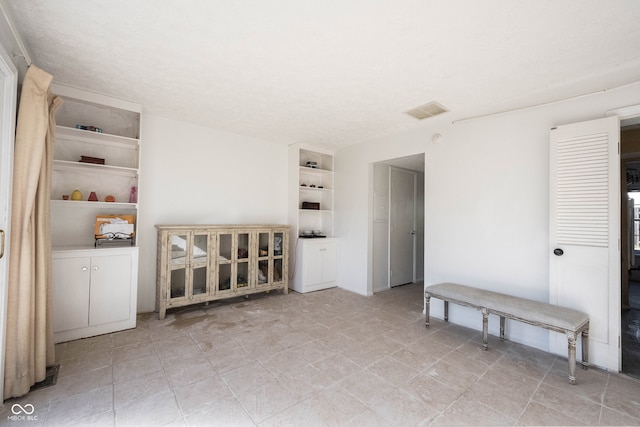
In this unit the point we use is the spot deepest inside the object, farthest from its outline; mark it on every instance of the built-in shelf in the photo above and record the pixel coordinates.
(115, 175)
(94, 283)
(96, 137)
(315, 189)
(66, 165)
(314, 250)
(315, 171)
(86, 204)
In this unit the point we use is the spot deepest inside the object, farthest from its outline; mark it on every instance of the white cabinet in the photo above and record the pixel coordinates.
(311, 213)
(318, 268)
(94, 292)
(97, 150)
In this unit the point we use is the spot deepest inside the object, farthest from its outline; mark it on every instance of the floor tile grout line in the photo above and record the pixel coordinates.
(238, 399)
(604, 392)
(315, 306)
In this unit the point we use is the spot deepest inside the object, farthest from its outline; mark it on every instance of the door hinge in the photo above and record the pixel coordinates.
(619, 344)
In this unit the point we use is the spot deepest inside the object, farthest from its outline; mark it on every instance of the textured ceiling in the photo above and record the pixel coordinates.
(331, 72)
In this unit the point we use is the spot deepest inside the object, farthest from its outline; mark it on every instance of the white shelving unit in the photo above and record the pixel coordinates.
(313, 244)
(94, 286)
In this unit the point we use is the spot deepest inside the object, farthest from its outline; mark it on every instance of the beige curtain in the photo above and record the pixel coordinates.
(29, 337)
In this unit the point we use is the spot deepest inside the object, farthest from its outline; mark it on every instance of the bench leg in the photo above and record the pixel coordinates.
(446, 311)
(502, 328)
(585, 348)
(571, 341)
(485, 328)
(427, 299)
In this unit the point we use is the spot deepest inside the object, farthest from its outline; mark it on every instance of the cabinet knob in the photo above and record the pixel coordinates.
(84, 268)
(95, 268)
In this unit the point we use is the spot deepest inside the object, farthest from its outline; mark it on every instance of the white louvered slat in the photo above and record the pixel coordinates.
(582, 188)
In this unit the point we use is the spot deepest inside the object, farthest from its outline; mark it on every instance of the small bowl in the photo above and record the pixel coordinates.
(317, 232)
(306, 232)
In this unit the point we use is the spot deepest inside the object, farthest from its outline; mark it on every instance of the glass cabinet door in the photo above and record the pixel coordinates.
(234, 256)
(242, 265)
(189, 265)
(179, 262)
(265, 249)
(199, 264)
(225, 250)
(278, 250)
(270, 258)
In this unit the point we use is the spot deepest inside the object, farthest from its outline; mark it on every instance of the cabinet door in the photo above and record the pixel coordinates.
(71, 282)
(265, 264)
(199, 265)
(244, 249)
(178, 261)
(110, 297)
(279, 242)
(320, 263)
(234, 255)
(328, 255)
(224, 259)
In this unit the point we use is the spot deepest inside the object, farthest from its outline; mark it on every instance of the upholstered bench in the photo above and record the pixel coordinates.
(555, 318)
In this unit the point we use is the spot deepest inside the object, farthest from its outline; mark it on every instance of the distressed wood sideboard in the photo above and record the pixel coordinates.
(201, 263)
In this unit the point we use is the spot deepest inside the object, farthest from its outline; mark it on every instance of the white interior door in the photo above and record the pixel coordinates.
(584, 224)
(402, 226)
(8, 94)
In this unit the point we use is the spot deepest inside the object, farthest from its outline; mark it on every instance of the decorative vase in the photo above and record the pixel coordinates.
(76, 195)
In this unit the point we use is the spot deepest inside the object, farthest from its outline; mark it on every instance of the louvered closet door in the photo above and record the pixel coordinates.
(584, 232)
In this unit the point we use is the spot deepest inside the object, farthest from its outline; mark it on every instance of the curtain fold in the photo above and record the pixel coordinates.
(29, 336)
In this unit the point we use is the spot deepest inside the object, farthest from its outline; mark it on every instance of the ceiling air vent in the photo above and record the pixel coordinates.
(427, 110)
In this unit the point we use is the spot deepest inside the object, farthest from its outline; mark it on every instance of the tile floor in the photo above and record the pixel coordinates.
(321, 359)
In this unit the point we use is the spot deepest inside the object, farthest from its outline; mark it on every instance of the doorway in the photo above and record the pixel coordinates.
(402, 226)
(382, 204)
(8, 96)
(630, 255)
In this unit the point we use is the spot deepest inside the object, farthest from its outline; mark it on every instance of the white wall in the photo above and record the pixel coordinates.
(195, 175)
(486, 201)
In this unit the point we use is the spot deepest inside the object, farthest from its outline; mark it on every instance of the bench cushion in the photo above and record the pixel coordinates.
(534, 311)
